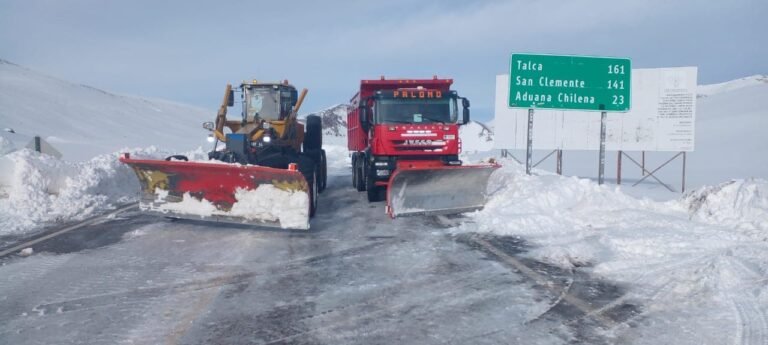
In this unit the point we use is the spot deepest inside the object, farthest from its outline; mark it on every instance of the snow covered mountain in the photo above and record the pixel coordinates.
(334, 123)
(732, 85)
(81, 121)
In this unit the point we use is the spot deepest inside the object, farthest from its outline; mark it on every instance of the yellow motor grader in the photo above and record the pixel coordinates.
(268, 166)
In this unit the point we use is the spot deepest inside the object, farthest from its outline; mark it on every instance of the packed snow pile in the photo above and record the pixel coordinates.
(707, 251)
(740, 204)
(37, 189)
(546, 204)
(82, 122)
(555, 209)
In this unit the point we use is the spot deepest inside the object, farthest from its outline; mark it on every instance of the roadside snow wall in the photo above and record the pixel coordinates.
(37, 189)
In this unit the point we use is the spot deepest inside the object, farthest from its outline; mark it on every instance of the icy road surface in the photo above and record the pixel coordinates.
(356, 278)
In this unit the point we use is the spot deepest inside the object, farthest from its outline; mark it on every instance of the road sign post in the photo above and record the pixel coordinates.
(567, 82)
(529, 149)
(601, 168)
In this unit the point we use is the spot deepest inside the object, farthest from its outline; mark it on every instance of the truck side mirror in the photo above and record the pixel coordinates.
(231, 98)
(465, 110)
(208, 125)
(363, 112)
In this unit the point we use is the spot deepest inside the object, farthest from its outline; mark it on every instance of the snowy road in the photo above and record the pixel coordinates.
(356, 277)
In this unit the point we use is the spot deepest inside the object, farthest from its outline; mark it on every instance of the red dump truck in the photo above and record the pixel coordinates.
(403, 135)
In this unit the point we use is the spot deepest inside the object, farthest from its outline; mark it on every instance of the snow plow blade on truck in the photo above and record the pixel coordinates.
(224, 192)
(435, 191)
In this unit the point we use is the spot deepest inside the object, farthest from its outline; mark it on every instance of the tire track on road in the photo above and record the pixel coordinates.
(79, 225)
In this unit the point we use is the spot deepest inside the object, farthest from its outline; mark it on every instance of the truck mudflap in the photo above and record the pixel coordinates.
(438, 190)
(223, 192)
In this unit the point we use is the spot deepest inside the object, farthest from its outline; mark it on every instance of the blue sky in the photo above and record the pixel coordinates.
(187, 51)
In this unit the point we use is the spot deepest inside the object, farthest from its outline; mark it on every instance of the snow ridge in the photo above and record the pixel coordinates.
(731, 85)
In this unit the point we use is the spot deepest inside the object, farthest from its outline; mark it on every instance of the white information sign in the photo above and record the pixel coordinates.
(662, 118)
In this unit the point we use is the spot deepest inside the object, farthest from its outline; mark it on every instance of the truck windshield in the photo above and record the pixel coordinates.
(263, 103)
(440, 110)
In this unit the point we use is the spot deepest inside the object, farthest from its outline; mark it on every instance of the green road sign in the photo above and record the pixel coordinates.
(569, 82)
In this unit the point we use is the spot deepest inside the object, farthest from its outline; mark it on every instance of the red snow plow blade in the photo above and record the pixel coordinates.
(213, 191)
(442, 190)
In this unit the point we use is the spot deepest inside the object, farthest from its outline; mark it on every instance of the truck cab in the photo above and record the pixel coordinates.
(403, 123)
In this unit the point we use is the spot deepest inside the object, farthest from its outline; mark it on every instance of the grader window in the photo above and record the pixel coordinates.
(286, 103)
(262, 103)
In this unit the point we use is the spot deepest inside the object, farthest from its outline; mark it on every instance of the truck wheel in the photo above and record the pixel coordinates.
(374, 192)
(354, 170)
(359, 178)
(313, 139)
(322, 181)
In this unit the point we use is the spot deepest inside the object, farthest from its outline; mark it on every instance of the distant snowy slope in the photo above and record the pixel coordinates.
(731, 124)
(334, 121)
(81, 121)
(711, 89)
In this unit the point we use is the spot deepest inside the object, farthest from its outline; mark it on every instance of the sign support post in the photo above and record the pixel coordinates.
(529, 148)
(682, 186)
(618, 168)
(601, 169)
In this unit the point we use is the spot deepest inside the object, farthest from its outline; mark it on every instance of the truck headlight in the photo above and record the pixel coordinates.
(266, 139)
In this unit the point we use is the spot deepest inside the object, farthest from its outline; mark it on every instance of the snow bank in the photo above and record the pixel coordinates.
(37, 189)
(739, 204)
(544, 204)
(707, 251)
(555, 210)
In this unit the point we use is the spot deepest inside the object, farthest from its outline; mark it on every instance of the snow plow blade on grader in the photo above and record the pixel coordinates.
(441, 190)
(232, 193)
